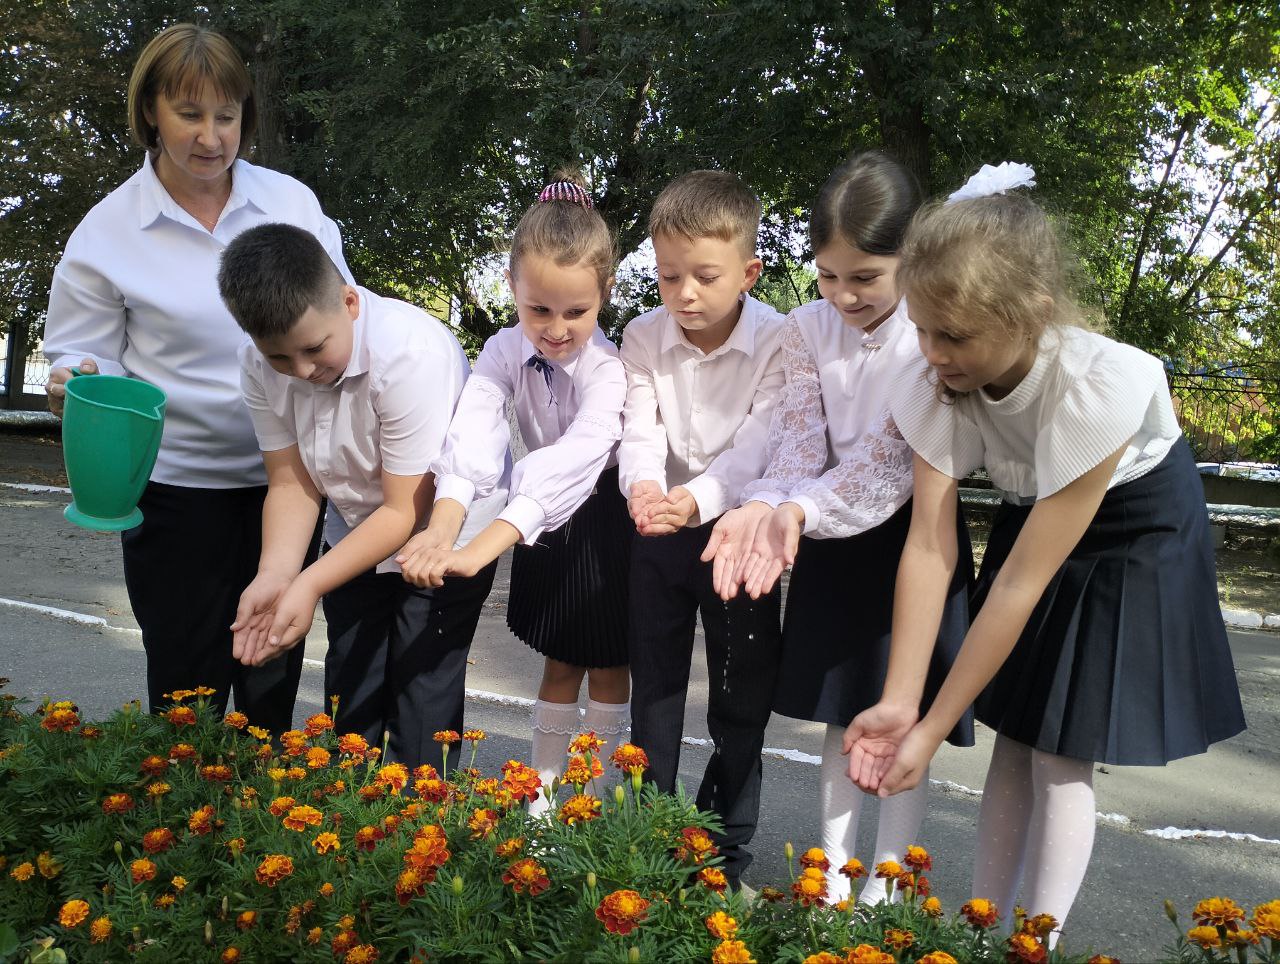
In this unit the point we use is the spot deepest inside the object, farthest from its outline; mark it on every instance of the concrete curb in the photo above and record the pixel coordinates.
(1250, 619)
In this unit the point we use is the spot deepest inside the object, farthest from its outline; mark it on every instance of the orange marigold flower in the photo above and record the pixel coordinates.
(482, 822)
(918, 859)
(326, 843)
(853, 869)
(236, 845)
(824, 957)
(353, 744)
(326, 889)
(361, 954)
(815, 857)
(446, 737)
(315, 935)
(179, 883)
(1241, 938)
(1206, 936)
(60, 720)
(932, 906)
(622, 911)
(343, 941)
(318, 723)
(980, 912)
(696, 845)
(181, 716)
(1025, 947)
(154, 766)
(230, 956)
(247, 919)
(475, 736)
(258, 733)
(23, 872)
(937, 957)
(142, 870)
(411, 883)
(236, 720)
(810, 888)
(90, 732)
(771, 895)
(300, 818)
(630, 758)
(201, 821)
(367, 838)
(100, 930)
(118, 803)
(521, 781)
(1042, 925)
(510, 847)
(158, 841)
(527, 876)
(318, 757)
(579, 808)
(48, 865)
(216, 773)
(866, 954)
(281, 805)
(585, 743)
(393, 776)
(433, 789)
(713, 878)
(293, 740)
(73, 913)
(890, 868)
(158, 789)
(273, 869)
(1218, 911)
(295, 773)
(722, 926)
(164, 901)
(181, 751)
(1266, 920)
(898, 940)
(731, 952)
(580, 770)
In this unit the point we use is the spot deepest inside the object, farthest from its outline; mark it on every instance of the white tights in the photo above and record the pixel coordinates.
(1035, 831)
(900, 819)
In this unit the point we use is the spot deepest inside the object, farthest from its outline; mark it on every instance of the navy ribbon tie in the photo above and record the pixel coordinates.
(538, 363)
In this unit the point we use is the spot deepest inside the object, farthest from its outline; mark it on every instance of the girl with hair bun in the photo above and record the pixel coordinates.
(566, 517)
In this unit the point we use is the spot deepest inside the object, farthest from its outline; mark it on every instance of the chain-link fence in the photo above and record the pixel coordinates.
(1228, 417)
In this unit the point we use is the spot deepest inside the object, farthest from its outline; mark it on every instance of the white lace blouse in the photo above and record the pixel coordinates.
(834, 449)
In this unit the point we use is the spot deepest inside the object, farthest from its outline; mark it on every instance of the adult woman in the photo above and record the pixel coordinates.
(136, 294)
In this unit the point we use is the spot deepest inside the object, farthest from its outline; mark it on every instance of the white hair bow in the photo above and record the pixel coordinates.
(995, 180)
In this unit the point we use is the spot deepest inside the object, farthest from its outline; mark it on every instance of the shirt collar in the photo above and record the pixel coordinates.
(568, 365)
(742, 338)
(887, 330)
(359, 362)
(155, 200)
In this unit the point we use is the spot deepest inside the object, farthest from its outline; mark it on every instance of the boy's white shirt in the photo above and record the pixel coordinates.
(389, 411)
(570, 430)
(699, 419)
(137, 291)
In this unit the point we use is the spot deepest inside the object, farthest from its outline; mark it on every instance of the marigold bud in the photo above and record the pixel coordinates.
(788, 851)
(591, 880)
(619, 794)
(119, 849)
(633, 955)
(1170, 911)
(208, 932)
(457, 885)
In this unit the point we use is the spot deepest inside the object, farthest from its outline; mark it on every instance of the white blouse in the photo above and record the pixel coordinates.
(834, 450)
(389, 411)
(137, 291)
(696, 419)
(1085, 398)
(569, 426)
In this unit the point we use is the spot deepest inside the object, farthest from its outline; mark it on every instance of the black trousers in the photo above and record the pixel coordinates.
(397, 659)
(185, 567)
(670, 586)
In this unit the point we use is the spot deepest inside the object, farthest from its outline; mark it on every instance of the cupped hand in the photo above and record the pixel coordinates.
(671, 514)
(874, 739)
(254, 614)
(773, 549)
(645, 497)
(294, 614)
(731, 539)
(56, 387)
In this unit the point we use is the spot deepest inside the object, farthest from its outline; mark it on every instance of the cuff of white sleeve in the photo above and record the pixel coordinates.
(105, 365)
(709, 495)
(527, 516)
(771, 499)
(628, 479)
(457, 488)
(812, 514)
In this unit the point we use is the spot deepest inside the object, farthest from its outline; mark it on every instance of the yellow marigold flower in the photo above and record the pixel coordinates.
(280, 806)
(581, 771)
(73, 913)
(164, 901)
(1218, 911)
(1266, 920)
(696, 845)
(890, 868)
(482, 822)
(230, 956)
(201, 820)
(60, 720)
(236, 720)
(1024, 946)
(918, 859)
(206, 691)
(1241, 938)
(246, 920)
(393, 776)
(179, 883)
(258, 733)
(585, 743)
(300, 818)
(731, 952)
(276, 774)
(100, 930)
(527, 876)
(361, 954)
(580, 808)
(853, 869)
(722, 926)
(326, 842)
(1204, 935)
(315, 935)
(932, 906)
(810, 888)
(713, 878)
(510, 847)
(980, 912)
(48, 865)
(898, 940)
(475, 736)
(937, 957)
(318, 757)
(158, 789)
(142, 870)
(295, 773)
(181, 716)
(630, 758)
(326, 889)
(23, 872)
(90, 732)
(353, 744)
(866, 954)
(318, 723)
(273, 869)
(824, 957)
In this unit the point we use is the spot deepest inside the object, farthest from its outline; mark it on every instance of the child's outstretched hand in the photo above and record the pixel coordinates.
(731, 539)
(773, 549)
(672, 513)
(254, 614)
(294, 614)
(873, 742)
(418, 557)
(645, 497)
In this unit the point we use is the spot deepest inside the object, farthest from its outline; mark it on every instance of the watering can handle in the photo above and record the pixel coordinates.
(76, 372)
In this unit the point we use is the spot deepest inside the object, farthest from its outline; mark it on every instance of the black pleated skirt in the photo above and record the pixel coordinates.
(1125, 658)
(838, 626)
(568, 595)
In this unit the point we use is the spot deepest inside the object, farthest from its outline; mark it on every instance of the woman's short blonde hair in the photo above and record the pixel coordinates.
(180, 60)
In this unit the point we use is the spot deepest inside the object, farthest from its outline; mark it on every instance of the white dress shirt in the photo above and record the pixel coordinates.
(137, 291)
(1085, 398)
(389, 412)
(834, 450)
(570, 428)
(697, 419)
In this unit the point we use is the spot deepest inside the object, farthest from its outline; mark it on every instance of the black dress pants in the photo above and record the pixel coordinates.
(185, 567)
(670, 586)
(397, 659)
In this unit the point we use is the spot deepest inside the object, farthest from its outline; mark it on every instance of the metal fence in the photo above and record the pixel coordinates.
(1228, 417)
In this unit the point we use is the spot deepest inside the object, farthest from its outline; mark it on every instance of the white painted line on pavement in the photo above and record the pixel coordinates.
(1176, 833)
(27, 487)
(83, 618)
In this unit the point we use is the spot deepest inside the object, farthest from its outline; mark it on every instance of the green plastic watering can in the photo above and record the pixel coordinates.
(111, 430)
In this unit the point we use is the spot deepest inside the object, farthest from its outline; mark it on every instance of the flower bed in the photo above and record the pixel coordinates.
(183, 837)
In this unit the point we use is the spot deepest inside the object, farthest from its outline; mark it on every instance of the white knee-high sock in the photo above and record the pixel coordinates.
(1060, 839)
(554, 724)
(841, 806)
(609, 722)
(896, 830)
(1008, 805)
